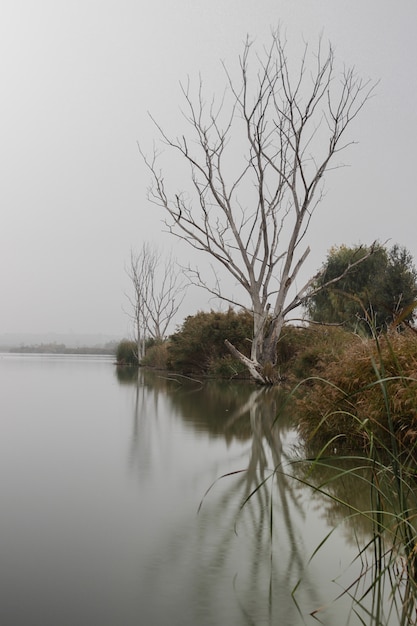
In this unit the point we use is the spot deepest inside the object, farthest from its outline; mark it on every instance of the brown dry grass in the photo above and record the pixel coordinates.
(367, 391)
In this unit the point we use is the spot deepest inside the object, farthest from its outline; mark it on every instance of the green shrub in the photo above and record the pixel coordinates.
(199, 343)
(127, 353)
(304, 351)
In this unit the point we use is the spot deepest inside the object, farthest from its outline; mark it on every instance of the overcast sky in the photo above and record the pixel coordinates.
(77, 79)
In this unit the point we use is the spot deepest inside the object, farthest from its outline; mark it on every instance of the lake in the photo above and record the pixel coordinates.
(121, 504)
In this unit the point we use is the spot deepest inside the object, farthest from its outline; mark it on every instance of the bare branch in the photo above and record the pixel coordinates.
(157, 293)
(256, 158)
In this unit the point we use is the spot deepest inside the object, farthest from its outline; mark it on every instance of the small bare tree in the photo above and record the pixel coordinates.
(158, 292)
(256, 162)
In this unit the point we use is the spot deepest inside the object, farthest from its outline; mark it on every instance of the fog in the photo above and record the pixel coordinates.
(78, 79)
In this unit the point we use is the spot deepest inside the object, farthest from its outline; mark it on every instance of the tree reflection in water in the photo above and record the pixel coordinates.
(255, 524)
(267, 502)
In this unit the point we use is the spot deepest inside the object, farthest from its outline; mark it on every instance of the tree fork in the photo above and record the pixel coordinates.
(252, 217)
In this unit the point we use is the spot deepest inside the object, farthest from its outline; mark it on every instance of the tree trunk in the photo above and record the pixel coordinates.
(270, 342)
(263, 370)
(253, 367)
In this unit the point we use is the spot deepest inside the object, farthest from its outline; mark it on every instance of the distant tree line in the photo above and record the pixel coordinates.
(60, 348)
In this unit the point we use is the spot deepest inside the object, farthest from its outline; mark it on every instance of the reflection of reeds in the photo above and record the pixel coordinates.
(380, 416)
(384, 533)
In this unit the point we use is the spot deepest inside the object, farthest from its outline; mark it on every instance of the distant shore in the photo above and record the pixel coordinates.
(60, 348)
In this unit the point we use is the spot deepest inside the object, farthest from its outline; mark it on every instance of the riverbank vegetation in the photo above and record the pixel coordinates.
(339, 380)
(365, 394)
(352, 362)
(363, 412)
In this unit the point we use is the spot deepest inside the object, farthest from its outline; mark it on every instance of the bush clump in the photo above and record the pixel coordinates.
(127, 353)
(156, 355)
(367, 392)
(198, 346)
(303, 351)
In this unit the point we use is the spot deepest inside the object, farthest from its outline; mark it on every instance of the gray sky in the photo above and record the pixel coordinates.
(77, 79)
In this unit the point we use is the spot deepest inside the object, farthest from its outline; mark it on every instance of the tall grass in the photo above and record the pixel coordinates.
(368, 402)
(373, 381)
(384, 593)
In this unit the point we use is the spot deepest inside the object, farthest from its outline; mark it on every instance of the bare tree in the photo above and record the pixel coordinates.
(158, 292)
(256, 161)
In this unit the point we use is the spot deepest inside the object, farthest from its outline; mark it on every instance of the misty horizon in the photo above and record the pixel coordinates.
(78, 82)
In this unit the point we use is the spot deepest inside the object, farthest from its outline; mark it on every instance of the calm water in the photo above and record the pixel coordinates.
(101, 482)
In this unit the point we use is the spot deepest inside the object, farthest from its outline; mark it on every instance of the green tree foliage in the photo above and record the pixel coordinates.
(198, 346)
(372, 294)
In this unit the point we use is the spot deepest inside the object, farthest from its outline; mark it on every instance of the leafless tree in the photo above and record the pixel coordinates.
(256, 159)
(158, 292)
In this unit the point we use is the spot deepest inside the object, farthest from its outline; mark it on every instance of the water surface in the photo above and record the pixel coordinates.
(105, 519)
